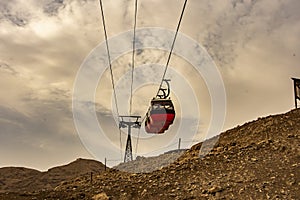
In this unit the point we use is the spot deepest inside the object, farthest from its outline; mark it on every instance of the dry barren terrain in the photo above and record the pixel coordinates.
(257, 160)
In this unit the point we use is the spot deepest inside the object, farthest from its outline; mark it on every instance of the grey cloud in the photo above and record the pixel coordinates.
(17, 17)
(237, 25)
(49, 119)
(99, 108)
(52, 7)
(219, 41)
(12, 116)
(37, 138)
(8, 69)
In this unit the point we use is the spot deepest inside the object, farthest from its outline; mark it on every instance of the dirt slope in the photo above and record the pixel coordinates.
(258, 160)
(16, 179)
(16, 176)
(149, 164)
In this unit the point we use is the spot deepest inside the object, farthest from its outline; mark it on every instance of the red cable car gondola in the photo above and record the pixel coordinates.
(161, 113)
(160, 116)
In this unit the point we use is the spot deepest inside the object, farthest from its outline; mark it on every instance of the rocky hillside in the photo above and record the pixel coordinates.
(17, 179)
(258, 160)
(149, 164)
(16, 176)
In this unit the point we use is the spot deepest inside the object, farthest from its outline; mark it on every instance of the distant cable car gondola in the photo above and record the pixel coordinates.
(161, 113)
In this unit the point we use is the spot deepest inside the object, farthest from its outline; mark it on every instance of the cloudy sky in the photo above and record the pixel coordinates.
(254, 43)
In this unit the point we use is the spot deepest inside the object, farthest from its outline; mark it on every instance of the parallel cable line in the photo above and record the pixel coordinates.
(109, 58)
(133, 54)
(111, 71)
(132, 69)
(172, 47)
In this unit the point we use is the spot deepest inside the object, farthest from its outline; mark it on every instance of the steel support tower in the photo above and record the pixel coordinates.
(126, 121)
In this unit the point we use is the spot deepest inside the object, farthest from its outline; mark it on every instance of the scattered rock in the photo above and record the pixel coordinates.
(100, 196)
